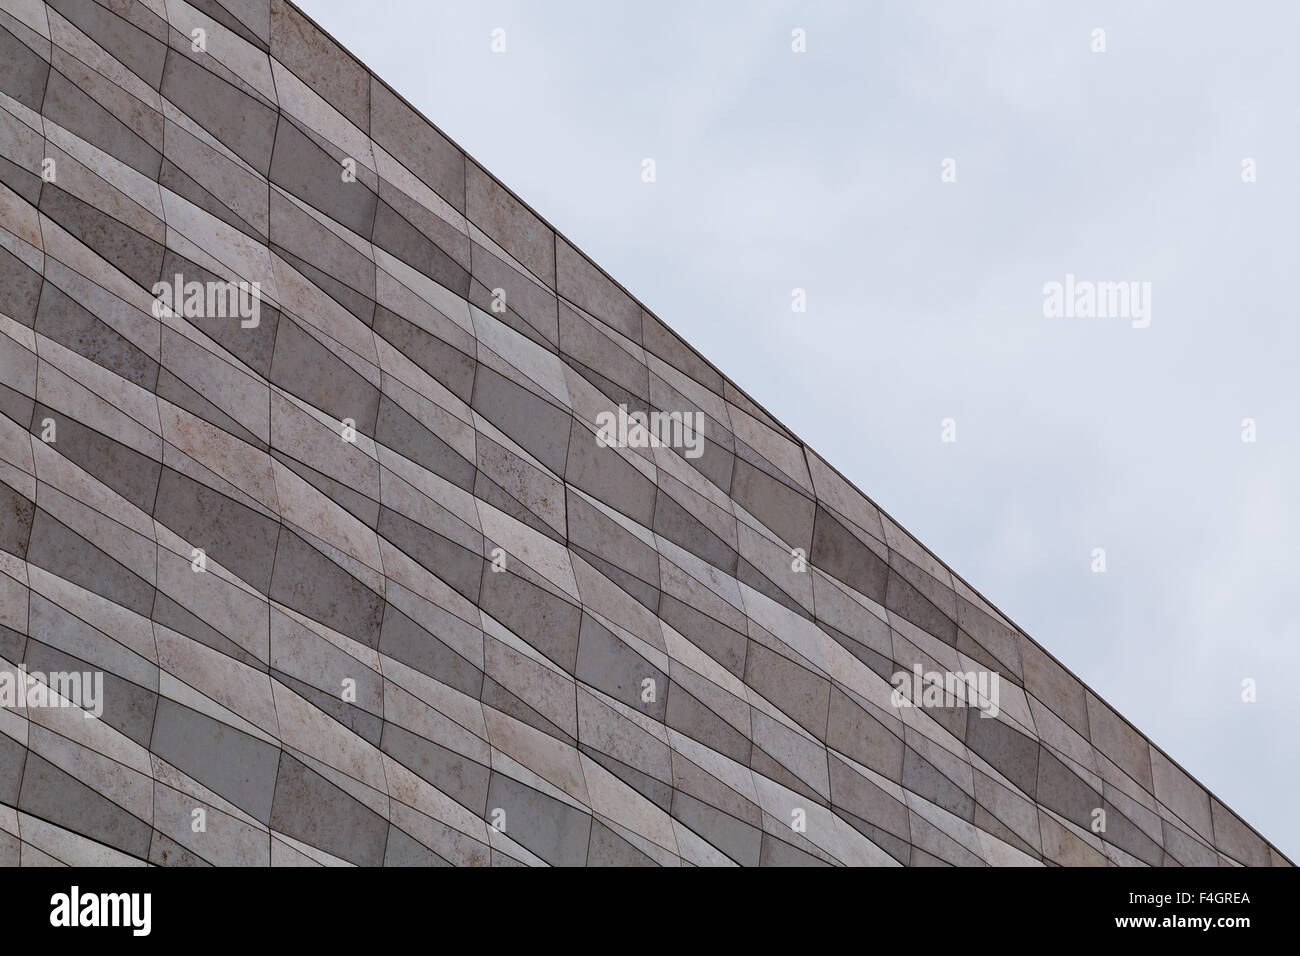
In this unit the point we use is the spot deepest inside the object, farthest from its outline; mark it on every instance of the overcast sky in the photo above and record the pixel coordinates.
(822, 170)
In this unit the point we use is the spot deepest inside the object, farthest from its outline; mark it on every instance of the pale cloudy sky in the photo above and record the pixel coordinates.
(822, 171)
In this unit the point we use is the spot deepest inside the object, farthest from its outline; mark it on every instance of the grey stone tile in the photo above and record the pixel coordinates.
(776, 852)
(132, 475)
(740, 841)
(1117, 739)
(582, 283)
(20, 289)
(682, 528)
(403, 640)
(722, 643)
(366, 726)
(232, 534)
(227, 761)
(13, 757)
(127, 706)
(538, 307)
(309, 370)
(417, 145)
(857, 734)
(446, 363)
(304, 169)
(320, 63)
(164, 851)
(539, 427)
(62, 319)
(555, 831)
(172, 615)
(603, 360)
(1014, 754)
(598, 535)
(399, 430)
(313, 585)
(311, 809)
(55, 795)
(461, 778)
(911, 605)
(688, 715)
(23, 72)
(138, 256)
(61, 551)
(1234, 837)
(17, 512)
(785, 510)
(876, 811)
(603, 474)
(404, 850)
(545, 621)
(1183, 849)
(667, 345)
(396, 235)
(607, 848)
(611, 666)
(509, 223)
(1062, 790)
(794, 689)
(458, 566)
(839, 553)
(143, 52)
(1054, 686)
(245, 125)
(924, 779)
(253, 345)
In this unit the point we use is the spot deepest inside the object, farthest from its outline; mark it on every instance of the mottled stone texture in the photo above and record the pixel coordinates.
(439, 621)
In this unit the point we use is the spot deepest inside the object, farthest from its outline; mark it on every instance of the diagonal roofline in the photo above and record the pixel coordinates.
(804, 446)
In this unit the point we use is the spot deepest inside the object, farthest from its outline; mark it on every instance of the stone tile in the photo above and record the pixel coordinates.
(1235, 838)
(1117, 739)
(57, 796)
(509, 223)
(586, 286)
(312, 584)
(539, 427)
(139, 257)
(232, 534)
(842, 555)
(20, 289)
(60, 550)
(239, 767)
(557, 832)
(785, 510)
(416, 145)
(608, 664)
(323, 65)
(1052, 684)
(307, 368)
(142, 51)
(302, 168)
(548, 623)
(246, 126)
(1181, 794)
(309, 808)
